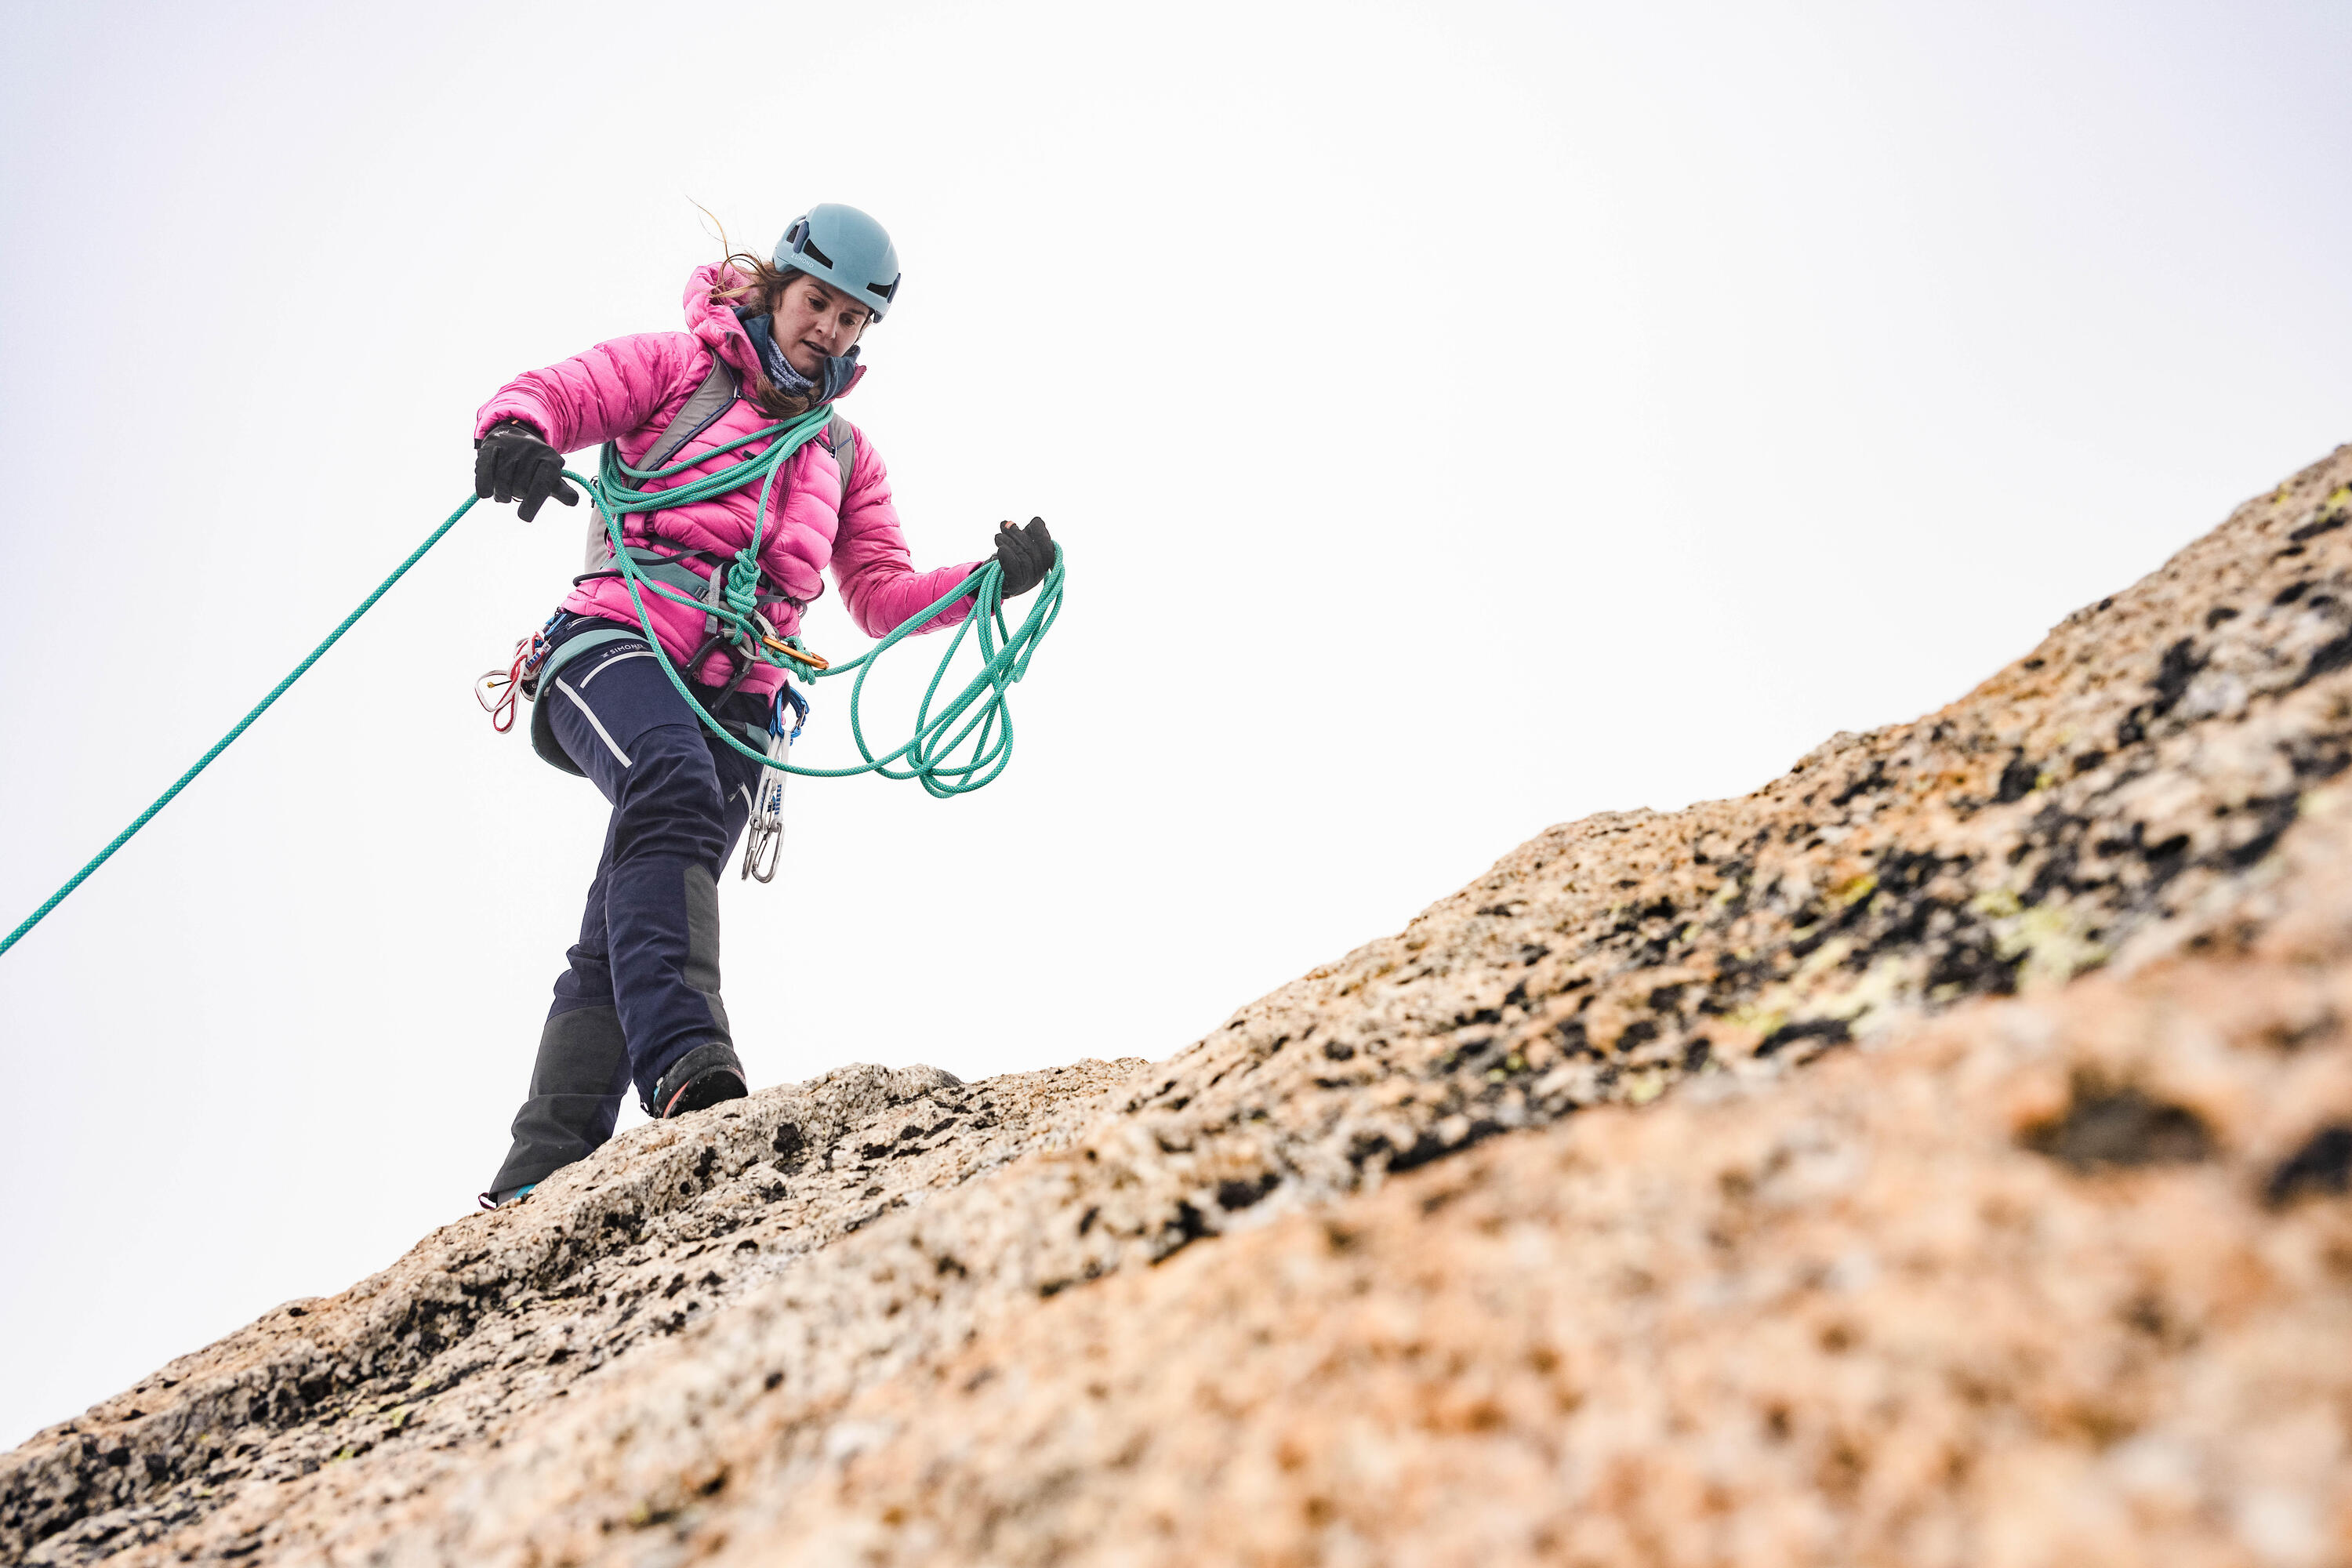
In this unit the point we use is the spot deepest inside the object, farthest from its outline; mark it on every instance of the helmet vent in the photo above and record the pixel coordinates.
(888, 291)
(807, 248)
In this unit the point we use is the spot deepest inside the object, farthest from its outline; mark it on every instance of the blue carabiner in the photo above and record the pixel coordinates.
(787, 693)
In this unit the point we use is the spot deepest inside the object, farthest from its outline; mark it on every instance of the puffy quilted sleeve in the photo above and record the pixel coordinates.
(593, 397)
(878, 581)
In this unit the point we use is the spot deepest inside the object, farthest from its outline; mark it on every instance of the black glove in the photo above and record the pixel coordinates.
(512, 463)
(1026, 555)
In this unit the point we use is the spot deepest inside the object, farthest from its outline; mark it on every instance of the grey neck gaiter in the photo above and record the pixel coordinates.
(827, 384)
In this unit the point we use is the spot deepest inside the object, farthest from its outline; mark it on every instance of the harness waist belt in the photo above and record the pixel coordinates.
(543, 736)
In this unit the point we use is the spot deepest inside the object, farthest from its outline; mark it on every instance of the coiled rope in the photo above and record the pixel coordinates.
(976, 717)
(930, 756)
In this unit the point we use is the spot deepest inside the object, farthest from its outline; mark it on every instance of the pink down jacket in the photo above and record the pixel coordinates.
(628, 389)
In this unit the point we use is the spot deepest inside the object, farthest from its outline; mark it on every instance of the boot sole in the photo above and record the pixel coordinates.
(704, 1090)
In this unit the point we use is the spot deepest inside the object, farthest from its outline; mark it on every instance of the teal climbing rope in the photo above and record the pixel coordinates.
(960, 744)
(277, 691)
(976, 717)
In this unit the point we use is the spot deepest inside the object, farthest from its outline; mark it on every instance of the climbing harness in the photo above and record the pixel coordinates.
(978, 714)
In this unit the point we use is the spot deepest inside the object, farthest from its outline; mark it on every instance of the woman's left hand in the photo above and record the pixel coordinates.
(1026, 554)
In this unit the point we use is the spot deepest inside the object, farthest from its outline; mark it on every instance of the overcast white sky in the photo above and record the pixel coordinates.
(1460, 418)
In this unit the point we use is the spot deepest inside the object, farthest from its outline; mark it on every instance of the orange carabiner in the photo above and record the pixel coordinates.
(813, 661)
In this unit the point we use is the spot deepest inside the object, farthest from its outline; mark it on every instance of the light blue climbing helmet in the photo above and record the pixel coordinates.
(847, 249)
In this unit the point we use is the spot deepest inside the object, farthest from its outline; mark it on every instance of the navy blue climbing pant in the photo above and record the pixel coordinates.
(641, 988)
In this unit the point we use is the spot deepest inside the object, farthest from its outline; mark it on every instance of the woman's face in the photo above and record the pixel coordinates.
(814, 323)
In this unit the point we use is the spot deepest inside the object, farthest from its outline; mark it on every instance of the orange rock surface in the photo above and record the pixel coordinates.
(1939, 1157)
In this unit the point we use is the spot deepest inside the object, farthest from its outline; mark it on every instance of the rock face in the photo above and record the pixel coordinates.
(1993, 1209)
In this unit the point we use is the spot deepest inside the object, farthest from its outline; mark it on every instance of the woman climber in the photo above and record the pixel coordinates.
(765, 342)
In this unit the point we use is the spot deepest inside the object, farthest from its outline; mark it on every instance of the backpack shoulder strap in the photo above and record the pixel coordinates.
(708, 401)
(702, 407)
(843, 439)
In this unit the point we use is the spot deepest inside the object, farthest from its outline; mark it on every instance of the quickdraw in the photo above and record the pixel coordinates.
(763, 835)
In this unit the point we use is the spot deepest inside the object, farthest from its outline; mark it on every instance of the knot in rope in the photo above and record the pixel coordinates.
(743, 583)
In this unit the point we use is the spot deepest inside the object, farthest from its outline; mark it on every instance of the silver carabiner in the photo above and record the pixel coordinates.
(762, 850)
(763, 837)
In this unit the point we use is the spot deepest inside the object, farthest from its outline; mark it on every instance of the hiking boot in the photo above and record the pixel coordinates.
(702, 1078)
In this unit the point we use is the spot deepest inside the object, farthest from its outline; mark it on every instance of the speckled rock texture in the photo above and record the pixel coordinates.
(1958, 1173)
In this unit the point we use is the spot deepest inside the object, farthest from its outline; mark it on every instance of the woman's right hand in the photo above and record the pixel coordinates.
(511, 462)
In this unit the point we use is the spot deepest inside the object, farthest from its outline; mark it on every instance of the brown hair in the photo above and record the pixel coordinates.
(760, 286)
